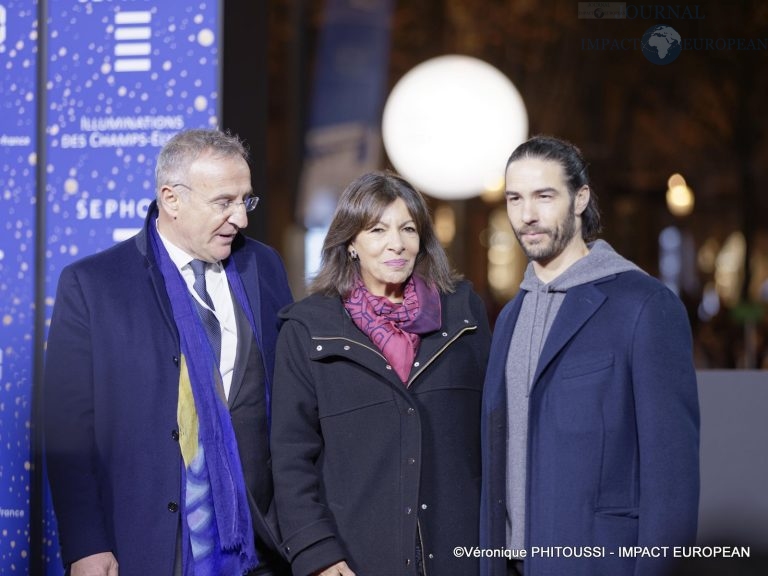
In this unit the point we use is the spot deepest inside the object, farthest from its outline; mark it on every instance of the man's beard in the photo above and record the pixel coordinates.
(554, 242)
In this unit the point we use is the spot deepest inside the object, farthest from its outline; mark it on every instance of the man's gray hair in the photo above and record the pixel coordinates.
(184, 148)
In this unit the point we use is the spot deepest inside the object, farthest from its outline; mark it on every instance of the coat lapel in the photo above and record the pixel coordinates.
(247, 267)
(155, 275)
(244, 341)
(580, 303)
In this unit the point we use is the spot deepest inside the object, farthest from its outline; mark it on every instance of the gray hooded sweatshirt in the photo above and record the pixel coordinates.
(541, 304)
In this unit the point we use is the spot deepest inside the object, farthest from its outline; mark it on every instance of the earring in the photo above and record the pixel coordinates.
(353, 254)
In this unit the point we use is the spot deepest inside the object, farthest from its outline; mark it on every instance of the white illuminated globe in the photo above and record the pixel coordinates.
(450, 124)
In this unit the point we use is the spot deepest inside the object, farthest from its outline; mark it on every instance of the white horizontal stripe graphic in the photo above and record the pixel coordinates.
(133, 49)
(139, 17)
(133, 33)
(132, 64)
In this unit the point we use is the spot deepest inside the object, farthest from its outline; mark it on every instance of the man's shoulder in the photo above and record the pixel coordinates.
(636, 290)
(631, 282)
(120, 256)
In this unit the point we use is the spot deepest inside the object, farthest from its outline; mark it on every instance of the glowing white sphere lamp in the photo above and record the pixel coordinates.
(450, 124)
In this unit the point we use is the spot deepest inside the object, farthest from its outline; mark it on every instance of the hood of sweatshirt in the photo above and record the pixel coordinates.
(601, 261)
(542, 302)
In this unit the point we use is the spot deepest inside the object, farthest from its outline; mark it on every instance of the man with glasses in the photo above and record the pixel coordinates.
(157, 382)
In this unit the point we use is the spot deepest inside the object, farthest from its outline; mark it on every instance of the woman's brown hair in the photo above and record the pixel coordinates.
(360, 206)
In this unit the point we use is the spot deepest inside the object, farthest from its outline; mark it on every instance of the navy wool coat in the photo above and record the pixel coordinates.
(360, 460)
(613, 433)
(110, 398)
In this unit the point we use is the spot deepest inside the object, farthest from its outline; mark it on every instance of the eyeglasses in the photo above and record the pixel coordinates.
(228, 206)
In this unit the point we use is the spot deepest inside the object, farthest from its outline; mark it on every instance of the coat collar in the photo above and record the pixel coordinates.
(333, 333)
(325, 316)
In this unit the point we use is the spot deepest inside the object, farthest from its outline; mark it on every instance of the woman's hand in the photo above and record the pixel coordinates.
(101, 564)
(338, 569)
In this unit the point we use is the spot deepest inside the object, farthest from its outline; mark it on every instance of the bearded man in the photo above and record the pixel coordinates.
(590, 415)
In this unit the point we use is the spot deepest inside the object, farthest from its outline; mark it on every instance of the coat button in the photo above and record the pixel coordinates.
(389, 367)
(431, 556)
(176, 360)
(423, 506)
(175, 435)
(319, 348)
(445, 334)
(411, 460)
(346, 347)
(173, 507)
(411, 410)
(416, 364)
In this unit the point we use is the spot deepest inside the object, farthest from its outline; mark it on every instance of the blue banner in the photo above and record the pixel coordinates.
(123, 76)
(18, 103)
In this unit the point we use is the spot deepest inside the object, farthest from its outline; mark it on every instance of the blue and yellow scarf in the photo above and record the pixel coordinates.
(217, 532)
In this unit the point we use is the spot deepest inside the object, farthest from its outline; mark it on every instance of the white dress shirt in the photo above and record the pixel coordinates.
(218, 288)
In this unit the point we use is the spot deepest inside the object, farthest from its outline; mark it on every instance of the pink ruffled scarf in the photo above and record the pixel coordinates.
(395, 328)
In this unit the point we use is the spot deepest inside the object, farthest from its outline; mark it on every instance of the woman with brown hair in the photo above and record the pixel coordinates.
(376, 401)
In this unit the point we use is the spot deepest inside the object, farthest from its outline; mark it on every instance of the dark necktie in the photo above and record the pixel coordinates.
(210, 322)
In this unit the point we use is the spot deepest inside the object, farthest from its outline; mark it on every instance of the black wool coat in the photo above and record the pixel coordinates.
(365, 465)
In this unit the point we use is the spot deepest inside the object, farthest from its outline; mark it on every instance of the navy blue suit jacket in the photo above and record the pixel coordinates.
(110, 397)
(613, 431)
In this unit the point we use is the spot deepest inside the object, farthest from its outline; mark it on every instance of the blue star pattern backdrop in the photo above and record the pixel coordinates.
(18, 165)
(122, 76)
